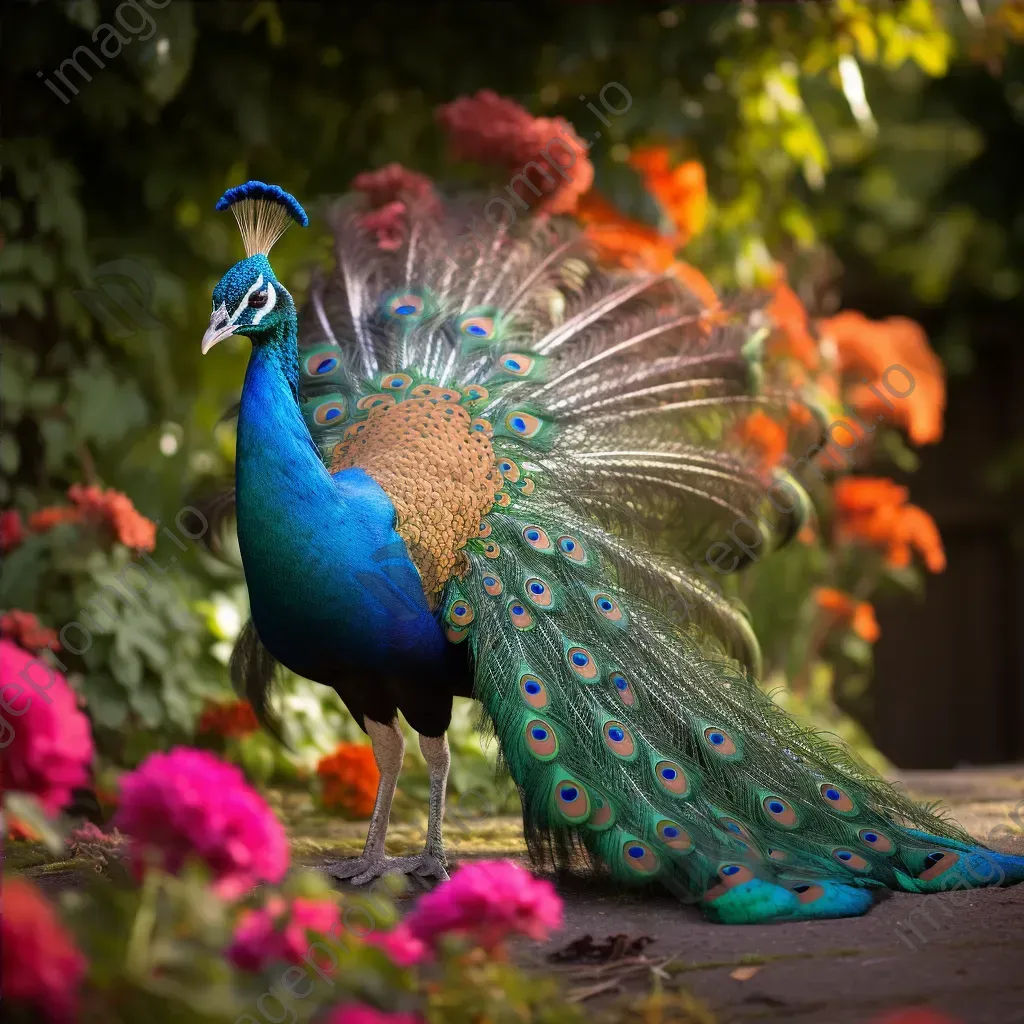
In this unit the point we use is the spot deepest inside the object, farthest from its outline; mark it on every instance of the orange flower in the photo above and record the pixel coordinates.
(793, 335)
(116, 509)
(28, 632)
(53, 515)
(490, 129)
(765, 436)
(912, 393)
(874, 510)
(682, 191)
(235, 718)
(843, 608)
(696, 282)
(349, 779)
(621, 240)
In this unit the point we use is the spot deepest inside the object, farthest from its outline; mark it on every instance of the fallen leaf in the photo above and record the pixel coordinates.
(744, 973)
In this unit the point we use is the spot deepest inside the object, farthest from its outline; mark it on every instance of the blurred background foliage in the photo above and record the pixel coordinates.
(867, 147)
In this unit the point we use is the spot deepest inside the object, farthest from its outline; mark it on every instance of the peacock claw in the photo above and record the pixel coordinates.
(361, 870)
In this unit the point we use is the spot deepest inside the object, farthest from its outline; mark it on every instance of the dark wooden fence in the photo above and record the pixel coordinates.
(949, 684)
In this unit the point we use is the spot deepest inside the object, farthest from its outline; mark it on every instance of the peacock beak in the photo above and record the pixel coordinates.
(220, 328)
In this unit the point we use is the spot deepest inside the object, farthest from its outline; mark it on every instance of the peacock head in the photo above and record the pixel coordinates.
(249, 299)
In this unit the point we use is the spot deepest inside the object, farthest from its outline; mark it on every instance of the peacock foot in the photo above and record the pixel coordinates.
(364, 869)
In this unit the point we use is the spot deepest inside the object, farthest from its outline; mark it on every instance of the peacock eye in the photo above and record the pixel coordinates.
(258, 299)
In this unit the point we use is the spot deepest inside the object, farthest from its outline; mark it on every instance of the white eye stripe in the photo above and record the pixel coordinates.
(245, 300)
(271, 302)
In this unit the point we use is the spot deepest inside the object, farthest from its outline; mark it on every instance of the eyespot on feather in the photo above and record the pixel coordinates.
(485, 529)
(482, 427)
(672, 777)
(509, 470)
(735, 828)
(378, 401)
(851, 860)
(807, 892)
(876, 840)
(603, 816)
(533, 691)
(479, 327)
(456, 635)
(581, 661)
(527, 485)
(730, 876)
(572, 549)
(491, 549)
(331, 411)
(622, 688)
(541, 740)
(673, 835)
(536, 538)
(322, 363)
(780, 811)
(516, 363)
(493, 585)
(539, 592)
(618, 740)
(837, 799)
(607, 607)
(639, 857)
(476, 393)
(572, 800)
(407, 305)
(720, 742)
(520, 617)
(460, 612)
(941, 862)
(395, 382)
(523, 424)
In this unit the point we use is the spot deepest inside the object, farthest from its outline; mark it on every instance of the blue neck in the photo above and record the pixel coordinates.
(319, 552)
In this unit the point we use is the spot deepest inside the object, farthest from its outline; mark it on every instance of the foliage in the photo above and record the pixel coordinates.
(871, 132)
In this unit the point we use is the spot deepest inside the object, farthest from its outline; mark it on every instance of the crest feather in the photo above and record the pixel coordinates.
(262, 212)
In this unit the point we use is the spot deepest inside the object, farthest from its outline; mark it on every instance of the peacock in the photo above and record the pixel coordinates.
(458, 471)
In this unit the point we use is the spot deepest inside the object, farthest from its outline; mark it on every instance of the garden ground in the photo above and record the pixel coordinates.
(961, 953)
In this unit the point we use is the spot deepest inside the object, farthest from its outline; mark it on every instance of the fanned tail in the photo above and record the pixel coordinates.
(619, 681)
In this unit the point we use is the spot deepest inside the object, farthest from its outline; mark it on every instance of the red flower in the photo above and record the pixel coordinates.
(765, 437)
(12, 529)
(27, 631)
(51, 516)
(682, 191)
(489, 129)
(349, 779)
(357, 1013)
(391, 190)
(847, 610)
(235, 718)
(792, 326)
(41, 966)
(51, 750)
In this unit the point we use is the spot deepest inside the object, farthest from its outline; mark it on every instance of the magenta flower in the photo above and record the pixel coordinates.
(401, 946)
(280, 932)
(188, 803)
(488, 901)
(357, 1013)
(51, 748)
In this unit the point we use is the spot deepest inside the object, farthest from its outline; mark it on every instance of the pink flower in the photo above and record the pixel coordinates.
(188, 803)
(489, 129)
(357, 1013)
(280, 932)
(401, 946)
(41, 965)
(915, 1015)
(51, 749)
(488, 900)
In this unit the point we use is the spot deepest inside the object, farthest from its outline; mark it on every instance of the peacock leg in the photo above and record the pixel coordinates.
(388, 751)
